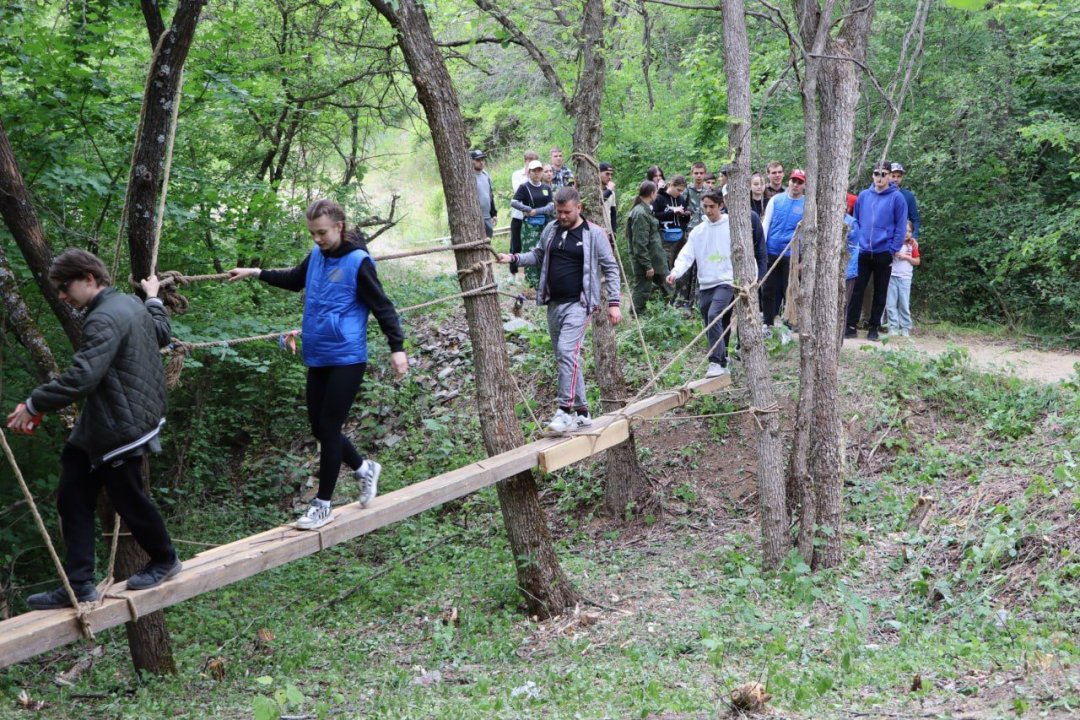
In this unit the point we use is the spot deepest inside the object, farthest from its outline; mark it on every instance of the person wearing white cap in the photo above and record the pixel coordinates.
(535, 202)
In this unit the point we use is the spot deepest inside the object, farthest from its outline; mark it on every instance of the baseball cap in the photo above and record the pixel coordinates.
(536, 164)
(798, 174)
(605, 166)
(896, 167)
(477, 154)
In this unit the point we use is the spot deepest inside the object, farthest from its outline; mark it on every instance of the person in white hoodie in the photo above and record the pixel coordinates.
(709, 246)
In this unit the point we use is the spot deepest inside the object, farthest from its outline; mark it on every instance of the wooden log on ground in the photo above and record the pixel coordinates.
(34, 633)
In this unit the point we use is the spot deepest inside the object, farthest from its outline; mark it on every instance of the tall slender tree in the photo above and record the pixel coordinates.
(545, 587)
(626, 484)
(775, 541)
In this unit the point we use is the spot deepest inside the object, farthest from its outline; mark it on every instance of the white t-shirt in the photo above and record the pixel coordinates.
(903, 268)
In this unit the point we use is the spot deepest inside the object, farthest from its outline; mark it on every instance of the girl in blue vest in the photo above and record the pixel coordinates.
(341, 290)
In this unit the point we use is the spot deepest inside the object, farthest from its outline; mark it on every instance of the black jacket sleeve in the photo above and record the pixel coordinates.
(162, 326)
(370, 292)
(761, 253)
(99, 345)
(291, 279)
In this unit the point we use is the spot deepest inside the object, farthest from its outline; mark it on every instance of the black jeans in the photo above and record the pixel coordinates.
(76, 500)
(879, 267)
(330, 394)
(515, 241)
(776, 288)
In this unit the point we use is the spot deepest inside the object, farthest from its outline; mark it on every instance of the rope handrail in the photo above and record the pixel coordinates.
(174, 277)
(740, 293)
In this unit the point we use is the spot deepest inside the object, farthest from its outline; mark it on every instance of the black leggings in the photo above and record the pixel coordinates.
(330, 394)
(76, 499)
(515, 241)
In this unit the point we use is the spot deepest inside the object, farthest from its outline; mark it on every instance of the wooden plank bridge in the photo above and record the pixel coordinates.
(33, 633)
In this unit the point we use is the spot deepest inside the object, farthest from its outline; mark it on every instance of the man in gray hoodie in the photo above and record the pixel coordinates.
(572, 254)
(484, 191)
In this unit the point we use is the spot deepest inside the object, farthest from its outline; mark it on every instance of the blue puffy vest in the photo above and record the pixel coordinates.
(786, 215)
(335, 322)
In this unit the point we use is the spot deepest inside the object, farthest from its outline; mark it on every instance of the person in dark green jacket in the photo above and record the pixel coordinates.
(116, 376)
(646, 251)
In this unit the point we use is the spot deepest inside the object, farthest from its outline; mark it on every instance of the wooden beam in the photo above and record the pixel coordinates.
(34, 633)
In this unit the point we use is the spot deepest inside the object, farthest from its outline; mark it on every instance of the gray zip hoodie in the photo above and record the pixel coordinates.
(598, 259)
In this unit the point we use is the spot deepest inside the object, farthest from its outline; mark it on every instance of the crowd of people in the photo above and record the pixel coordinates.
(680, 251)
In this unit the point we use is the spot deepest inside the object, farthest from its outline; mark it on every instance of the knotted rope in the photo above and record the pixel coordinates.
(80, 612)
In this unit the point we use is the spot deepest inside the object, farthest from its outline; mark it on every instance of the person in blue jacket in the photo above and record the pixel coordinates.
(782, 217)
(882, 215)
(341, 290)
(852, 271)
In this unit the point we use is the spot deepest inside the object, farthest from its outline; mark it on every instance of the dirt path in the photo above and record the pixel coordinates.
(987, 354)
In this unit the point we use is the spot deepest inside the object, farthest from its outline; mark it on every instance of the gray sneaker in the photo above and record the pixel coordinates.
(58, 598)
(316, 516)
(368, 475)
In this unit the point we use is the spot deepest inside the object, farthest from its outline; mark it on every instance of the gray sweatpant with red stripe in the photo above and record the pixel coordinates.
(567, 323)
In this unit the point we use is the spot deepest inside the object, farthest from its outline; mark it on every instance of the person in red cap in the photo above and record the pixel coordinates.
(782, 216)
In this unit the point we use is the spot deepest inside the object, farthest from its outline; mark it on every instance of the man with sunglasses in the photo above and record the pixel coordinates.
(116, 376)
(882, 215)
(782, 217)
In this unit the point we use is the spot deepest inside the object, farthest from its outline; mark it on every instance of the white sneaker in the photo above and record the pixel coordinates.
(563, 422)
(904, 332)
(368, 475)
(716, 370)
(316, 516)
(583, 421)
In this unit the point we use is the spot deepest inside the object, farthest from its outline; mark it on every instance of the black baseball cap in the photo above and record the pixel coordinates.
(606, 166)
(477, 154)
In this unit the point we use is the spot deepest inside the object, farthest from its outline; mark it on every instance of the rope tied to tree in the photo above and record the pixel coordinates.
(80, 611)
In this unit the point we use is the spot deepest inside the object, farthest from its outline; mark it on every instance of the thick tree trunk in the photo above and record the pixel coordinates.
(626, 488)
(543, 584)
(775, 542)
(148, 637)
(830, 93)
(147, 168)
(838, 88)
(21, 220)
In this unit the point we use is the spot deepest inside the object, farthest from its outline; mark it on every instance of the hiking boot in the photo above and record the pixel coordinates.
(562, 422)
(315, 517)
(58, 598)
(872, 334)
(716, 370)
(850, 332)
(368, 475)
(583, 419)
(154, 574)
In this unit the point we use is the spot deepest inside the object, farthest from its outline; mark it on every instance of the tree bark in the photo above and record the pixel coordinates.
(775, 542)
(21, 321)
(147, 169)
(543, 584)
(626, 488)
(830, 92)
(148, 637)
(22, 221)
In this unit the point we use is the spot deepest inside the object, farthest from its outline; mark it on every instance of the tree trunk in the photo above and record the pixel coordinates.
(543, 584)
(626, 488)
(147, 168)
(775, 542)
(148, 637)
(21, 220)
(838, 88)
(830, 93)
(21, 321)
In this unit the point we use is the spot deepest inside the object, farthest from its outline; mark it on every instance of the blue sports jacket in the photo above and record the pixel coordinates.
(335, 321)
(882, 218)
